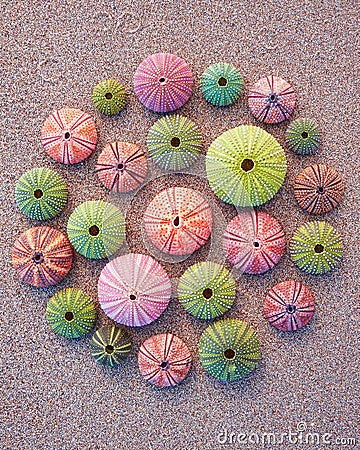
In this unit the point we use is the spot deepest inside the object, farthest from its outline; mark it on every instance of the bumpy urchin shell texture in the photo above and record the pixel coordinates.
(110, 345)
(303, 137)
(109, 97)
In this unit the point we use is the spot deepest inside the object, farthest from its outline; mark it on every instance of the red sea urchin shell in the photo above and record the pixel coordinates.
(163, 82)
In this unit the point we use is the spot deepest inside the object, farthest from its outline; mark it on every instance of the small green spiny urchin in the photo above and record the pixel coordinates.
(110, 345)
(303, 137)
(109, 97)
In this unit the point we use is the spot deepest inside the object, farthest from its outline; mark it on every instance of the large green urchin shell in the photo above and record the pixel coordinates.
(41, 193)
(316, 247)
(229, 349)
(109, 97)
(71, 312)
(174, 142)
(245, 166)
(221, 84)
(206, 290)
(110, 345)
(96, 229)
(303, 137)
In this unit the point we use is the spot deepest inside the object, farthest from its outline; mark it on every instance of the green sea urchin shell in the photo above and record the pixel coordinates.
(206, 290)
(229, 349)
(221, 84)
(96, 229)
(41, 193)
(303, 137)
(174, 142)
(110, 345)
(245, 166)
(70, 312)
(109, 97)
(316, 247)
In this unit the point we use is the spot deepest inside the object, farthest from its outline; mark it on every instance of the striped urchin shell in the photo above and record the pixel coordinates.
(122, 166)
(42, 256)
(272, 99)
(69, 135)
(163, 82)
(174, 142)
(109, 97)
(303, 137)
(41, 193)
(110, 345)
(134, 289)
(71, 313)
(164, 360)
(206, 290)
(289, 305)
(245, 166)
(229, 349)
(316, 247)
(178, 221)
(318, 188)
(254, 242)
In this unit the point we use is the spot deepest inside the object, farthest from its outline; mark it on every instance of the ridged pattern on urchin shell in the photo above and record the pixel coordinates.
(178, 221)
(303, 137)
(42, 256)
(110, 345)
(109, 97)
(316, 247)
(122, 166)
(69, 135)
(174, 142)
(96, 229)
(221, 84)
(206, 290)
(41, 193)
(245, 166)
(318, 188)
(71, 313)
(229, 349)
(163, 82)
(271, 99)
(254, 242)
(164, 360)
(134, 289)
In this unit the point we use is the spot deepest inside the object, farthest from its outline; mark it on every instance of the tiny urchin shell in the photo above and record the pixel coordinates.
(245, 166)
(41, 193)
(174, 142)
(206, 290)
(71, 312)
(110, 345)
(316, 247)
(303, 137)
(109, 97)
(229, 349)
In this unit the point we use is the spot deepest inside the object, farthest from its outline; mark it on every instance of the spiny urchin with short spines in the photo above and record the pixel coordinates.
(109, 97)
(110, 345)
(303, 137)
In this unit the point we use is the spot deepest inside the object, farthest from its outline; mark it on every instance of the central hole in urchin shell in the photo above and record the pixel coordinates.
(69, 316)
(175, 142)
(247, 165)
(38, 193)
(207, 293)
(132, 297)
(94, 230)
(320, 190)
(290, 309)
(272, 97)
(229, 353)
(304, 134)
(256, 244)
(164, 365)
(176, 222)
(108, 96)
(109, 349)
(67, 135)
(38, 257)
(222, 81)
(319, 248)
(120, 166)
(162, 80)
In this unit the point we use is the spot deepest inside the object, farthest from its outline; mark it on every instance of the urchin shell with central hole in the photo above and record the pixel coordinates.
(303, 137)
(109, 97)
(110, 345)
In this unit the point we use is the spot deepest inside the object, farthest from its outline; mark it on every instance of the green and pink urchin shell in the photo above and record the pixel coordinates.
(254, 242)
(303, 137)
(163, 82)
(229, 349)
(164, 360)
(42, 256)
(109, 97)
(272, 99)
(110, 345)
(134, 289)
(245, 166)
(289, 305)
(69, 135)
(178, 221)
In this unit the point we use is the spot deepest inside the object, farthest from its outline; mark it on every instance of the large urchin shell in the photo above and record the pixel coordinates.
(229, 349)
(109, 97)
(245, 166)
(134, 289)
(178, 221)
(110, 345)
(163, 82)
(303, 137)
(69, 135)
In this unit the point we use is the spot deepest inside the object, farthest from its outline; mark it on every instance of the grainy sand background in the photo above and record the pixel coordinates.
(53, 395)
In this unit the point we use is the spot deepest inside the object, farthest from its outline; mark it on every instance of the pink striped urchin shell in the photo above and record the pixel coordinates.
(289, 305)
(163, 82)
(178, 221)
(254, 242)
(134, 289)
(164, 360)
(122, 166)
(69, 135)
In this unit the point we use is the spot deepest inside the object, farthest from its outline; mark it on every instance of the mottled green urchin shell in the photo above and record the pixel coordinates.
(110, 345)
(303, 137)
(245, 166)
(316, 247)
(109, 97)
(70, 312)
(221, 84)
(41, 193)
(229, 349)
(174, 142)
(206, 290)
(96, 229)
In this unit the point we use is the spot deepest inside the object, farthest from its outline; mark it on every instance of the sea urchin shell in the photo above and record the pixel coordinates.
(303, 137)
(109, 97)
(110, 345)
